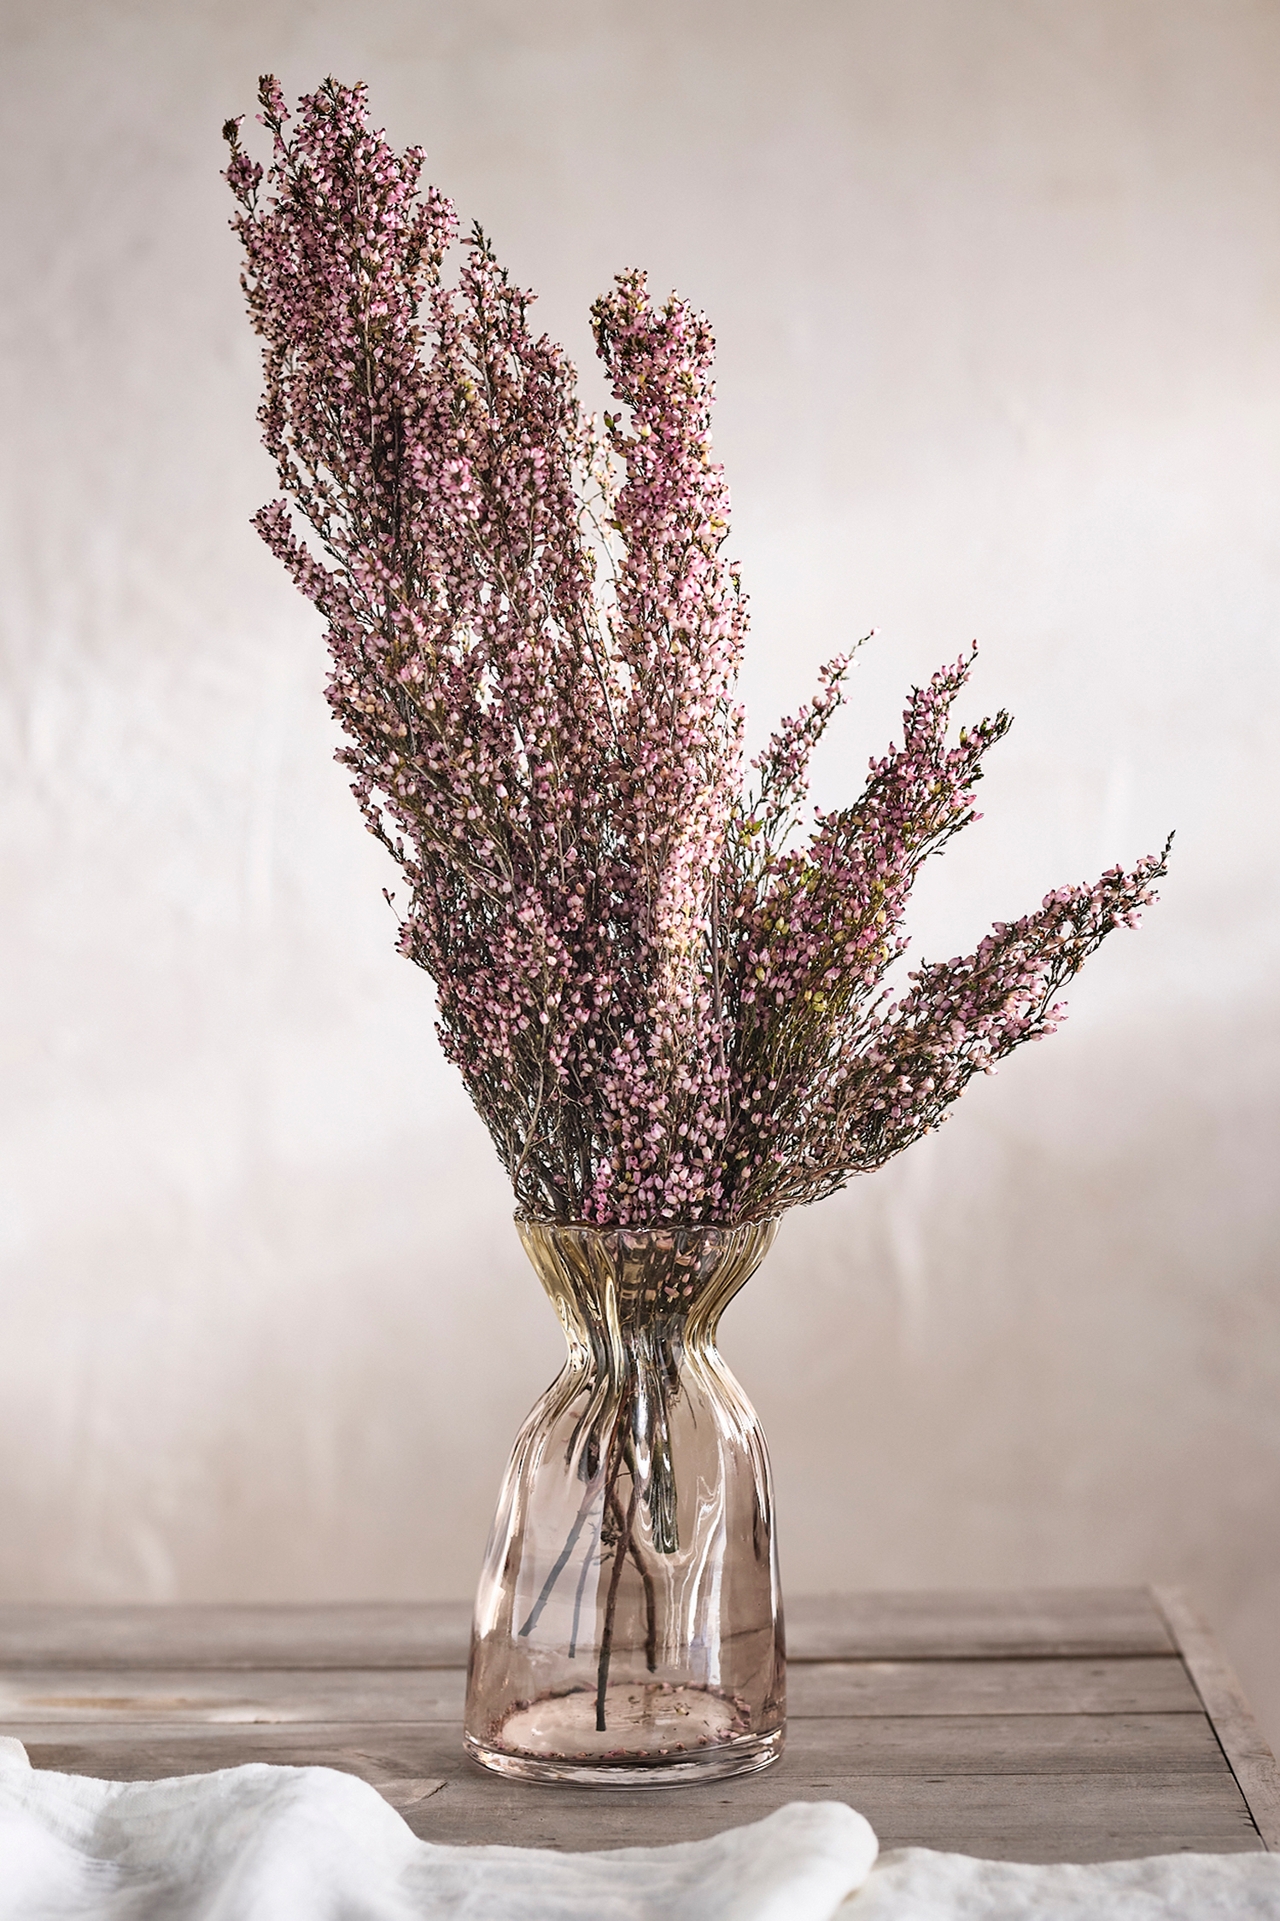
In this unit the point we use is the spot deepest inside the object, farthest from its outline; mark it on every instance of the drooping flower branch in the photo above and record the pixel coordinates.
(662, 1006)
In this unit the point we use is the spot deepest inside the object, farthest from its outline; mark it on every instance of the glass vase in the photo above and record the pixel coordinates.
(628, 1624)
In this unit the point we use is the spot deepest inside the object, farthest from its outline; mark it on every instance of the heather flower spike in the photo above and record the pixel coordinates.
(666, 1003)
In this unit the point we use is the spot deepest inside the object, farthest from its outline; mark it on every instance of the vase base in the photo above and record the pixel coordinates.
(655, 1734)
(626, 1768)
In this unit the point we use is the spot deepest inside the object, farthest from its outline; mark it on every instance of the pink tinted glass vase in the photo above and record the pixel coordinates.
(628, 1625)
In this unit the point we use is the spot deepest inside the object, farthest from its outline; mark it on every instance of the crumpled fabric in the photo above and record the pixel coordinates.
(263, 1843)
(917, 1884)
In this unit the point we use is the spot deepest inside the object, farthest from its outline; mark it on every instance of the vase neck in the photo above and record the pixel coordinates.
(614, 1288)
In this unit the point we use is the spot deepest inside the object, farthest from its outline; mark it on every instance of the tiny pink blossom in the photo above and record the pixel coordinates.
(666, 1003)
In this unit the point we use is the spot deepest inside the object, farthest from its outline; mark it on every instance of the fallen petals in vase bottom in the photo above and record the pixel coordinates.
(643, 1720)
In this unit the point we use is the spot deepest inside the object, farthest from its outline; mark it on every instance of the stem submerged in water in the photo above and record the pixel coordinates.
(650, 1610)
(611, 1600)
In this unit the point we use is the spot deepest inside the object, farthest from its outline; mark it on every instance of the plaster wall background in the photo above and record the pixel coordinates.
(996, 284)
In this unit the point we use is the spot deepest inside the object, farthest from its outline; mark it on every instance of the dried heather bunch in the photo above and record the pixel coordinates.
(663, 1008)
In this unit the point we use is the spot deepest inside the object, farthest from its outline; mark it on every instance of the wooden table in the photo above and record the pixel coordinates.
(1058, 1725)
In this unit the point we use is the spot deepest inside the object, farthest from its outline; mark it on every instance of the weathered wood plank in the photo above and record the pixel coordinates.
(151, 1753)
(1151, 1684)
(372, 1634)
(1079, 1818)
(909, 1625)
(989, 1744)
(1005, 1817)
(819, 1752)
(1085, 1815)
(1146, 1685)
(976, 1623)
(1248, 1754)
(118, 1696)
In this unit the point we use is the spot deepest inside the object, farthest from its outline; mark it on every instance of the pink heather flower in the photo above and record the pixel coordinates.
(666, 1004)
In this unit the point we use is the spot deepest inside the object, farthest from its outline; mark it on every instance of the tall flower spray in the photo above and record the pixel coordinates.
(667, 999)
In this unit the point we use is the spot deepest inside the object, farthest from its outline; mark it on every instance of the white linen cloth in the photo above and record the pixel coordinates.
(263, 1843)
(916, 1884)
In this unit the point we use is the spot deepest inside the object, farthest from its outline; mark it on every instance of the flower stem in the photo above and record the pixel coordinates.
(611, 1600)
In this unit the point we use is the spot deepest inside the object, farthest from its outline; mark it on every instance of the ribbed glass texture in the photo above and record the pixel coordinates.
(628, 1626)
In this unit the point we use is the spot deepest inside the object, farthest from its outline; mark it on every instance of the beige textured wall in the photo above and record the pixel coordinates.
(996, 284)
